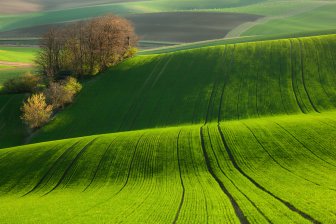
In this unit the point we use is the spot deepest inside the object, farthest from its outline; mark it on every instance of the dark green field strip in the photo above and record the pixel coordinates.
(272, 176)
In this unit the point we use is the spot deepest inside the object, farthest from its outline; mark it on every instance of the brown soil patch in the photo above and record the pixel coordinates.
(15, 64)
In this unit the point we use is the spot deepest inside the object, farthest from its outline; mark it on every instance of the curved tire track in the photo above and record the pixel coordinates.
(286, 203)
(239, 213)
(81, 152)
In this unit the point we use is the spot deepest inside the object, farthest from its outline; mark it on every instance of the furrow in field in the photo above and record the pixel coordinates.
(287, 155)
(258, 206)
(137, 97)
(109, 181)
(52, 168)
(18, 182)
(303, 76)
(141, 104)
(325, 60)
(234, 204)
(212, 95)
(233, 183)
(316, 83)
(288, 204)
(305, 146)
(314, 200)
(101, 161)
(323, 141)
(181, 179)
(72, 163)
(166, 186)
(226, 75)
(296, 93)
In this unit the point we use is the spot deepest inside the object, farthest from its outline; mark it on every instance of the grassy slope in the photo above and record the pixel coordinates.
(229, 82)
(278, 170)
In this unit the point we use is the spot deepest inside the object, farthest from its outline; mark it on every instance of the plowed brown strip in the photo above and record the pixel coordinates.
(16, 64)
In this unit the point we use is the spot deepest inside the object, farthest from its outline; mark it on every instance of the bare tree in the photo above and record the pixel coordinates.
(48, 58)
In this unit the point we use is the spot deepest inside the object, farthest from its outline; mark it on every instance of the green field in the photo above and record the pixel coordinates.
(238, 133)
(20, 57)
(320, 18)
(278, 170)
(17, 54)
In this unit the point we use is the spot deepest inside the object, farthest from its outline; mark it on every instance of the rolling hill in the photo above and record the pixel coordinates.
(239, 133)
(235, 81)
(278, 170)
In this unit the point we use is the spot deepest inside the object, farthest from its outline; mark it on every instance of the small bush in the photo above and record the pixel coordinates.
(71, 84)
(58, 95)
(61, 93)
(28, 83)
(131, 52)
(35, 111)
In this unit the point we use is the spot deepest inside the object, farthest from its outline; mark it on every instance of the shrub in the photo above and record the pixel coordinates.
(35, 111)
(58, 95)
(131, 52)
(28, 83)
(71, 84)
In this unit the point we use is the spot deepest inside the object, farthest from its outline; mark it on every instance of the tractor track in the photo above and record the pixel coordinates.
(81, 152)
(286, 203)
(181, 179)
(239, 213)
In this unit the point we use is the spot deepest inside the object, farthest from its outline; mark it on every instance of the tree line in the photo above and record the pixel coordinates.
(80, 49)
(86, 47)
